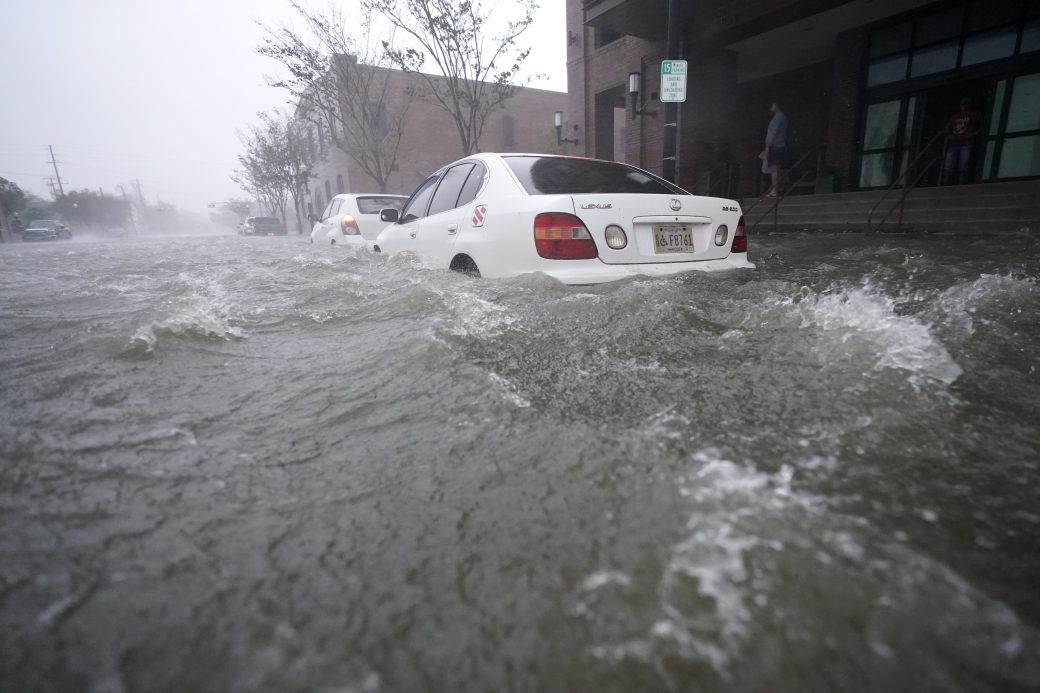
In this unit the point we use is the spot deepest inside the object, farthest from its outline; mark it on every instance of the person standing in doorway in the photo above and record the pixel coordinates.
(961, 130)
(776, 146)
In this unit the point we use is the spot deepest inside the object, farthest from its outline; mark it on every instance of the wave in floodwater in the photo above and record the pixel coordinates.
(254, 463)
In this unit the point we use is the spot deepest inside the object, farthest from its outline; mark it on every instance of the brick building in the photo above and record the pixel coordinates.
(873, 80)
(525, 123)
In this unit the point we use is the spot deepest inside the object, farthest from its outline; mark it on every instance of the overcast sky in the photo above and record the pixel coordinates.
(154, 91)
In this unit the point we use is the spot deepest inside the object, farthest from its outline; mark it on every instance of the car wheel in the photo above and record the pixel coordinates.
(464, 264)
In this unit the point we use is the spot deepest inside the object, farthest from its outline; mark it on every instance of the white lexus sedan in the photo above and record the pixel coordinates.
(581, 221)
(353, 219)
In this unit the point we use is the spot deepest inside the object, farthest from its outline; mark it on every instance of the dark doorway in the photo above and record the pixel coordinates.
(940, 103)
(611, 124)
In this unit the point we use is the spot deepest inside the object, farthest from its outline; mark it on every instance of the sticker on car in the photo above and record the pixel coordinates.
(478, 215)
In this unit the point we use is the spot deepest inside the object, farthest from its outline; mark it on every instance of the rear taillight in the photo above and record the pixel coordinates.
(740, 237)
(560, 236)
(349, 225)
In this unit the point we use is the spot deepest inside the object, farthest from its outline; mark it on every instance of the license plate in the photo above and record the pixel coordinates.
(673, 238)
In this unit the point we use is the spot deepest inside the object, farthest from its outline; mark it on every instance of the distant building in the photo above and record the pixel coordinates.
(525, 123)
(873, 80)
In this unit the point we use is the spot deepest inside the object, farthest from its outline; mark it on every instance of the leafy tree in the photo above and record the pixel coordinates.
(276, 164)
(92, 208)
(231, 212)
(342, 86)
(239, 207)
(477, 72)
(12, 199)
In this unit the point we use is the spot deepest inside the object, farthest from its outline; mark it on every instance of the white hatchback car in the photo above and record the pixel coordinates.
(353, 219)
(581, 221)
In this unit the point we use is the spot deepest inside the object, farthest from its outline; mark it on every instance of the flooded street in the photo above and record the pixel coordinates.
(239, 463)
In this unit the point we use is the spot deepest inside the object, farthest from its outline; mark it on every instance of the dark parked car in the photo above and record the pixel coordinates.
(262, 226)
(46, 230)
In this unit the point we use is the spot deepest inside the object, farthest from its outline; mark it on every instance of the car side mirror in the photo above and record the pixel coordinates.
(313, 218)
(389, 214)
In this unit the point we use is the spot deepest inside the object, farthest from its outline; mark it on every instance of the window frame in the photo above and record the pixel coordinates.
(902, 145)
(444, 176)
(991, 173)
(961, 38)
(327, 212)
(435, 178)
(398, 198)
(477, 166)
(671, 188)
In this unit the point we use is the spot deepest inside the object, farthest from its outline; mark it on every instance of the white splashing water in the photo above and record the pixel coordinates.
(852, 318)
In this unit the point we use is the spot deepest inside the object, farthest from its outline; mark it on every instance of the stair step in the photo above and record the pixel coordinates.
(982, 226)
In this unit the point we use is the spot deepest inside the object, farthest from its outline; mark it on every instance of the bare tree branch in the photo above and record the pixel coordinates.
(472, 81)
(343, 84)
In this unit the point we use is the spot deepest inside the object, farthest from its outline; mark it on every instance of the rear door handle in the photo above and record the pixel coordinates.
(453, 229)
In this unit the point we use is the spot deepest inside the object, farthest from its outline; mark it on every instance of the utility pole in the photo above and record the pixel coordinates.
(671, 110)
(57, 175)
(137, 189)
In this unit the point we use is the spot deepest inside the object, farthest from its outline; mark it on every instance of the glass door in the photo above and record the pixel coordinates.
(1013, 138)
(888, 137)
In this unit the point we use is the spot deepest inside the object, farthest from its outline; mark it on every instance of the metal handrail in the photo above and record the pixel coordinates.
(908, 189)
(817, 150)
(900, 181)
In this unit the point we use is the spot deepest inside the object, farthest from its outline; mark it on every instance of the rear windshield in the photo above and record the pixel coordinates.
(374, 205)
(266, 221)
(554, 175)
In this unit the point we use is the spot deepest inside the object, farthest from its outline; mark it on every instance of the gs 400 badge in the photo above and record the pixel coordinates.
(730, 209)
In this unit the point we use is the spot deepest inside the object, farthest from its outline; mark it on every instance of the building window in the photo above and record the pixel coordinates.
(328, 190)
(339, 184)
(377, 120)
(1031, 37)
(606, 36)
(1013, 144)
(935, 59)
(887, 138)
(508, 132)
(953, 37)
(886, 70)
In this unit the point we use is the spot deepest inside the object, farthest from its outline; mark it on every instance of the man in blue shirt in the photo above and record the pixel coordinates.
(776, 146)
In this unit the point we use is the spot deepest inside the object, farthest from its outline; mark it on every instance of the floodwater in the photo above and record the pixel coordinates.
(240, 463)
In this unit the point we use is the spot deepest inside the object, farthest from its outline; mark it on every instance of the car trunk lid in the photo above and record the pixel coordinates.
(640, 215)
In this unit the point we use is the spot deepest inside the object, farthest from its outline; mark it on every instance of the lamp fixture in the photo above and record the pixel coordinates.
(634, 79)
(560, 139)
